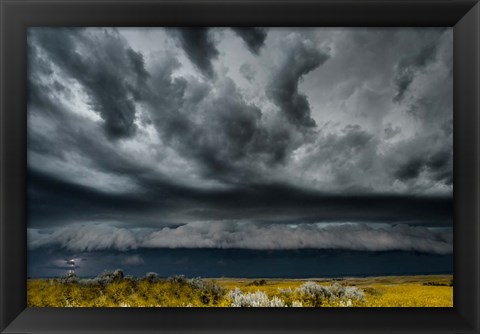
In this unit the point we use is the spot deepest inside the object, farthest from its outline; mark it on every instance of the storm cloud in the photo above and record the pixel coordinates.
(301, 57)
(250, 138)
(199, 47)
(415, 61)
(254, 38)
(244, 235)
(93, 58)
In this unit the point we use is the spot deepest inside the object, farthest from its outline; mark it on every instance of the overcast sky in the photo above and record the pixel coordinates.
(263, 138)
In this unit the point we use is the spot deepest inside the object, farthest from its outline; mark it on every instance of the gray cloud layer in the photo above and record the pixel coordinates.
(179, 126)
(225, 135)
(238, 235)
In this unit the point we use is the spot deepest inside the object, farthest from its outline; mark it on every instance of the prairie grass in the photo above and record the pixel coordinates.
(152, 291)
(411, 295)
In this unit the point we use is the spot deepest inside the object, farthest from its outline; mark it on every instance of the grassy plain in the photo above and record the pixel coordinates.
(388, 291)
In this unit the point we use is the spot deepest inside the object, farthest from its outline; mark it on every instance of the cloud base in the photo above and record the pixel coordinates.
(245, 235)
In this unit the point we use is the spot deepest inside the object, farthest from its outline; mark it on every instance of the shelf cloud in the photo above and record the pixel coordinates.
(242, 235)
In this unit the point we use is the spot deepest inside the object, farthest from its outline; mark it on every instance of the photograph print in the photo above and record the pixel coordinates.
(240, 167)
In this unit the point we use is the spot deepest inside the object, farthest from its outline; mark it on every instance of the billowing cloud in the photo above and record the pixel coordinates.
(199, 47)
(301, 57)
(93, 58)
(254, 38)
(85, 238)
(182, 135)
(415, 61)
(244, 235)
(212, 132)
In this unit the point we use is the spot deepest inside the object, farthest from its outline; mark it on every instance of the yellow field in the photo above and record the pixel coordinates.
(388, 291)
(399, 291)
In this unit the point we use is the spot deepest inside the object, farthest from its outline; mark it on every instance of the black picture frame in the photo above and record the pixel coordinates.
(17, 16)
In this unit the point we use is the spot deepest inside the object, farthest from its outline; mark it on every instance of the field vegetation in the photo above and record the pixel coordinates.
(113, 289)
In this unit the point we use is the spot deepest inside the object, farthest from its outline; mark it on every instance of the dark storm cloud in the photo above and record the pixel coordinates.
(300, 59)
(410, 170)
(199, 47)
(411, 64)
(212, 124)
(205, 151)
(73, 136)
(109, 70)
(220, 132)
(254, 38)
(242, 235)
(38, 67)
(232, 134)
(348, 155)
(232, 130)
(51, 202)
(346, 236)
(439, 164)
(284, 203)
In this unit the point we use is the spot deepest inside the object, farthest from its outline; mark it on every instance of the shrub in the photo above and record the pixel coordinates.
(179, 279)
(353, 293)
(152, 277)
(342, 293)
(255, 299)
(313, 294)
(64, 292)
(209, 291)
(118, 274)
(70, 278)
